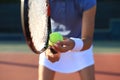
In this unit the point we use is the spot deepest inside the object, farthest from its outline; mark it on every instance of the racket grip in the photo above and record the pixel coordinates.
(53, 51)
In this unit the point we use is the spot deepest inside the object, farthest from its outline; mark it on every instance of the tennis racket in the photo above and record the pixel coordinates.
(36, 24)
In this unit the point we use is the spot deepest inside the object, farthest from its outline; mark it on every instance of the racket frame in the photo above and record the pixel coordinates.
(26, 30)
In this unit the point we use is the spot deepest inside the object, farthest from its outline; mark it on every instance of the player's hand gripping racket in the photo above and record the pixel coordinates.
(36, 24)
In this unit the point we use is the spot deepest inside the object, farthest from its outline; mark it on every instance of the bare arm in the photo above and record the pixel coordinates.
(88, 22)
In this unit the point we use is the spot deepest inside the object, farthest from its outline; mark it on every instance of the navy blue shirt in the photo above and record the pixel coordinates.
(66, 16)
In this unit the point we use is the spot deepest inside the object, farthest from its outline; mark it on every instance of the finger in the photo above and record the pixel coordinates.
(56, 57)
(53, 59)
(60, 48)
(48, 53)
(63, 43)
(53, 50)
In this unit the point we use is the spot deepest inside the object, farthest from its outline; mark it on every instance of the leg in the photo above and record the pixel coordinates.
(45, 73)
(87, 73)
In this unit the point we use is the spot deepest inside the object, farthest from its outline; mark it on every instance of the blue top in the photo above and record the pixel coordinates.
(66, 16)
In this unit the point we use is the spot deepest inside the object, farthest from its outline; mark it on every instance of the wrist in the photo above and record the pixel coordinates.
(78, 44)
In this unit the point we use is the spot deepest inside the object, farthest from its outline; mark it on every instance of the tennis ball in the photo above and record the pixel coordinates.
(55, 37)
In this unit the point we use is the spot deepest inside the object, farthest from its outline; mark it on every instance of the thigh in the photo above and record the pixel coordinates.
(45, 73)
(87, 73)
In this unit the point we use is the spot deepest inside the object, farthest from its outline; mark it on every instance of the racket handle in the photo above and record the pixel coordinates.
(53, 51)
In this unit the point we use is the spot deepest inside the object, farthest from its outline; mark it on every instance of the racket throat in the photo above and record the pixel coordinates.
(53, 51)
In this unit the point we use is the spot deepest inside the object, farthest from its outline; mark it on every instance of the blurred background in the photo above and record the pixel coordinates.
(106, 37)
(107, 25)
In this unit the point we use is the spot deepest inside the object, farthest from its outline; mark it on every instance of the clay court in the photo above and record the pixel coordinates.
(22, 64)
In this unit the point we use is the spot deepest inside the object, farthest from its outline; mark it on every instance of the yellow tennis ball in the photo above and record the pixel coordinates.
(55, 37)
(50, 43)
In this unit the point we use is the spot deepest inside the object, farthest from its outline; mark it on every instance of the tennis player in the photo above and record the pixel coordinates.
(74, 19)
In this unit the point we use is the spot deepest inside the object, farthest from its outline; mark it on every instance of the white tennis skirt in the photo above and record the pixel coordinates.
(70, 61)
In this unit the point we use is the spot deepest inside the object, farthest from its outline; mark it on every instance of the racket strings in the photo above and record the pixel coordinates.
(38, 22)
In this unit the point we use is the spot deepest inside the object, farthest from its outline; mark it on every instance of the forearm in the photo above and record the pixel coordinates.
(88, 23)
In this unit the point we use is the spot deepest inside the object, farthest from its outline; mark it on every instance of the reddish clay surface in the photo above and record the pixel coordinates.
(22, 66)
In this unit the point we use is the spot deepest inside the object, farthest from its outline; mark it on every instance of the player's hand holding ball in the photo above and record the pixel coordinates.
(59, 45)
(51, 53)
